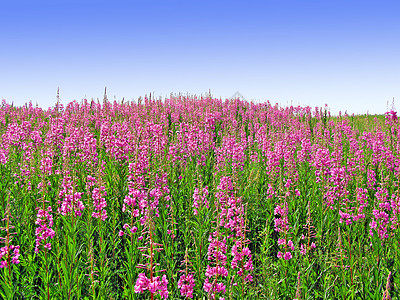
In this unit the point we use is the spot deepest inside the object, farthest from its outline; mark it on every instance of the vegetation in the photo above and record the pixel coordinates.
(198, 198)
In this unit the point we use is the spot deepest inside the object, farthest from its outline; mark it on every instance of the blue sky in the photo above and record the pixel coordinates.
(342, 53)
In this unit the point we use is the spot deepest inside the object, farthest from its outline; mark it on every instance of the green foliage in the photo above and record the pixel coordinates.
(89, 260)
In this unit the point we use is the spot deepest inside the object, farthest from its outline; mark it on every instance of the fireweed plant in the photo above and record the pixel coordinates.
(9, 254)
(199, 198)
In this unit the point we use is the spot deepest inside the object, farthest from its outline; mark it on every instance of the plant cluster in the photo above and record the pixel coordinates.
(198, 198)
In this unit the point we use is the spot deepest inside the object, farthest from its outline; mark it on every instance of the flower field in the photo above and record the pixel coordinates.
(198, 198)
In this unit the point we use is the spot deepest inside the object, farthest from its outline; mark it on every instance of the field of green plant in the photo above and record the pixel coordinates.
(198, 198)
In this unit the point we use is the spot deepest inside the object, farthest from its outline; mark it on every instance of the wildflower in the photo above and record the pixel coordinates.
(287, 255)
(11, 250)
(154, 286)
(186, 285)
(44, 231)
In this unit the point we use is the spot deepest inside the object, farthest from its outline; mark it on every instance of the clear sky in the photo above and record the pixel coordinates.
(342, 53)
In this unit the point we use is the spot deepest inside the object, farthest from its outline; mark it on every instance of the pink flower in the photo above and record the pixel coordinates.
(290, 244)
(207, 285)
(156, 286)
(287, 255)
(44, 231)
(4, 252)
(302, 250)
(142, 283)
(281, 242)
(186, 285)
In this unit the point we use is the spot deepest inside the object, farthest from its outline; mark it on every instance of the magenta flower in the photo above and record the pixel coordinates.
(186, 285)
(287, 255)
(155, 286)
(71, 201)
(11, 250)
(200, 199)
(44, 231)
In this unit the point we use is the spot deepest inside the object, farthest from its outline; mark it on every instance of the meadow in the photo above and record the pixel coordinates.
(198, 198)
